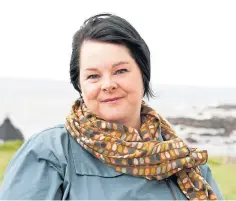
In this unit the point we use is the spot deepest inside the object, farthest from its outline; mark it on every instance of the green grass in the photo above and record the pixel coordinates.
(7, 150)
(224, 174)
(11, 145)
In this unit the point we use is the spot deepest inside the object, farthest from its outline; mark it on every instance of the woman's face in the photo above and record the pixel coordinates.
(110, 81)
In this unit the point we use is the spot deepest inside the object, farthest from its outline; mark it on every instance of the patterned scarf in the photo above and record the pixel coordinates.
(153, 152)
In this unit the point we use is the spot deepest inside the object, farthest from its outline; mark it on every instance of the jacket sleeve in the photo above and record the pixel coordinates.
(33, 173)
(211, 181)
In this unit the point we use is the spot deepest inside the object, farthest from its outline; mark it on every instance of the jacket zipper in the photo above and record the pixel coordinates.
(171, 190)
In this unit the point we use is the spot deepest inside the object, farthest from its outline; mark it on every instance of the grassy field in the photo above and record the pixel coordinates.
(224, 174)
(7, 150)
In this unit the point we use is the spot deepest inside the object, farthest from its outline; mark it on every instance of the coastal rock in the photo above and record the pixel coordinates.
(225, 107)
(212, 135)
(228, 123)
(191, 140)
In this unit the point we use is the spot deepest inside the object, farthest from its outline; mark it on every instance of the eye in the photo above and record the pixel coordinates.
(95, 76)
(121, 71)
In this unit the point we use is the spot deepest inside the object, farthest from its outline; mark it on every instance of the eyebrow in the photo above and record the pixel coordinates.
(113, 65)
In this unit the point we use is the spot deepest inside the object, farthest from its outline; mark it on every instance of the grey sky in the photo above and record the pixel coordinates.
(191, 42)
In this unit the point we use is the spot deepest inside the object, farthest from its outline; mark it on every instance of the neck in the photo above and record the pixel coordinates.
(136, 123)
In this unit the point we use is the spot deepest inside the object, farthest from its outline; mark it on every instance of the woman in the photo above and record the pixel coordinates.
(113, 145)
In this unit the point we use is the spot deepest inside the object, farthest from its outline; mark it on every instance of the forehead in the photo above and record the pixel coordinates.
(98, 54)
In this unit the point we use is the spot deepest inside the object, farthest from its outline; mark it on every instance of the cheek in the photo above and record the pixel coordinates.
(133, 85)
(90, 91)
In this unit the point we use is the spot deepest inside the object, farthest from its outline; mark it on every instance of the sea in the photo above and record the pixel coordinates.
(34, 105)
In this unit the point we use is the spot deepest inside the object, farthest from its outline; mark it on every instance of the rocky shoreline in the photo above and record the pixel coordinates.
(225, 107)
(224, 127)
(228, 124)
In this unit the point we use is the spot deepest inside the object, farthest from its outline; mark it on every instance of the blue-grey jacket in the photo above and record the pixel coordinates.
(52, 165)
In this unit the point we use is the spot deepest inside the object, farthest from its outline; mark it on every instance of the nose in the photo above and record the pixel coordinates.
(108, 85)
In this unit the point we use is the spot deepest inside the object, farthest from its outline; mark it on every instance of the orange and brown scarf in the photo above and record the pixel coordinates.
(153, 152)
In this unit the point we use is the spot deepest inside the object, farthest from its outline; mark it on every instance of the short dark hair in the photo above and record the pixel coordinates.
(111, 29)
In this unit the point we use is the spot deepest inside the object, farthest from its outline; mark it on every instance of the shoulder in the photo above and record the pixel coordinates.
(41, 161)
(50, 134)
(51, 138)
(205, 169)
(50, 144)
(207, 174)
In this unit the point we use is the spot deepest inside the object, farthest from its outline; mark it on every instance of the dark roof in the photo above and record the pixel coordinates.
(9, 132)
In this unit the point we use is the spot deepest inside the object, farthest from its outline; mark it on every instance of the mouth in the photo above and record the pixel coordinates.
(112, 100)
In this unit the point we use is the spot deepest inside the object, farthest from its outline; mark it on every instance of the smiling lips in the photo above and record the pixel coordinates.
(111, 100)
